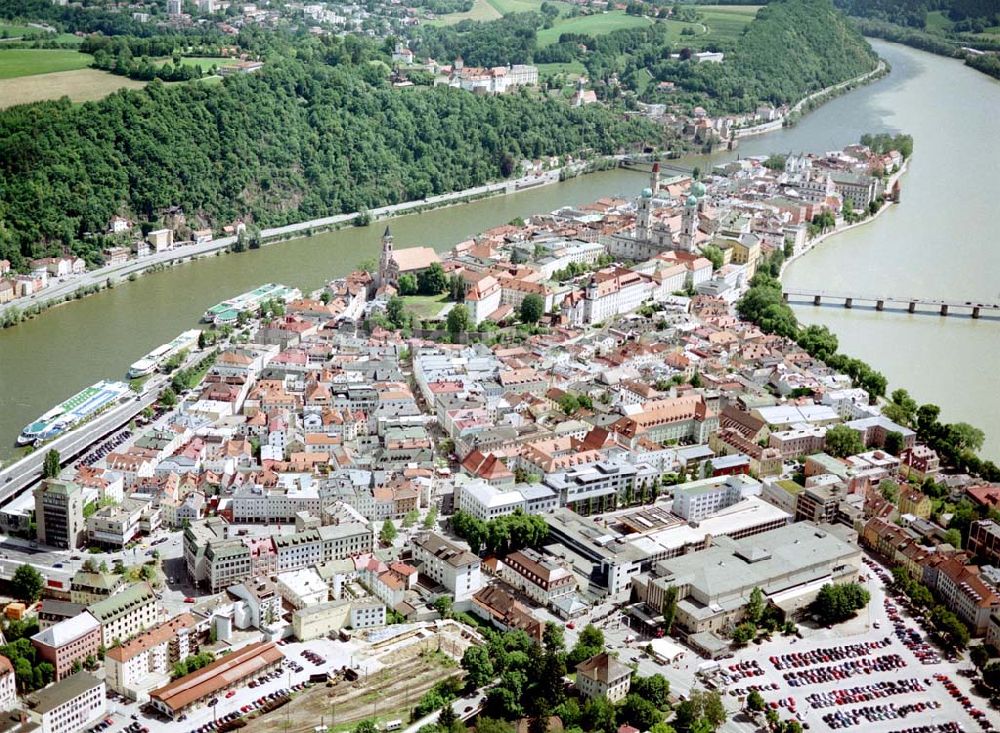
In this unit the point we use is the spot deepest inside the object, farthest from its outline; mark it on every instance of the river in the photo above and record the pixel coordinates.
(944, 212)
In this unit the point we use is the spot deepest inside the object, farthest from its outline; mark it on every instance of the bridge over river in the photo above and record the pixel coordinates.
(882, 302)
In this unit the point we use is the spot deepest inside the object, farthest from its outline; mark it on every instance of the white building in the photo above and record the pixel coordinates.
(143, 664)
(456, 569)
(125, 614)
(8, 690)
(68, 706)
(486, 502)
(699, 499)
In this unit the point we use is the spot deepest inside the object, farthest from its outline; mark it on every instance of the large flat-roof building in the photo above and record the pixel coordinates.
(70, 705)
(67, 642)
(789, 565)
(230, 672)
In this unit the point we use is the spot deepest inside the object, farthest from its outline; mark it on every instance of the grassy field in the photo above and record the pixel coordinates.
(481, 10)
(81, 85)
(593, 25)
(938, 21)
(572, 68)
(506, 7)
(16, 62)
(8, 30)
(425, 306)
(726, 22)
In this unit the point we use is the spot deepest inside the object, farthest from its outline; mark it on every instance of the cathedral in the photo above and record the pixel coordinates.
(650, 237)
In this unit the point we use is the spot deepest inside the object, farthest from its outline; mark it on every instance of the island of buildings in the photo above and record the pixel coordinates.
(663, 445)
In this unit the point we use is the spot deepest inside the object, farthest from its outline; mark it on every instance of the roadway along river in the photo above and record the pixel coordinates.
(946, 107)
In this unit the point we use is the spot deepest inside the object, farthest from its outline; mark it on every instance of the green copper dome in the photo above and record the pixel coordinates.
(691, 202)
(647, 193)
(698, 189)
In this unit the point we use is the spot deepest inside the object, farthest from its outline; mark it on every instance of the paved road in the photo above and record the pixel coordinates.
(23, 473)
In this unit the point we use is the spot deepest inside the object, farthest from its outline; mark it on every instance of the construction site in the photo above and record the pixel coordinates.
(396, 666)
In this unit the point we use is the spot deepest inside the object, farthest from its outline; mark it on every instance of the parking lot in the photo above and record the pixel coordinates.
(875, 672)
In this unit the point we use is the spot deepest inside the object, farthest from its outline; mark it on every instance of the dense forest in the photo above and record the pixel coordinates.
(906, 21)
(297, 141)
(913, 13)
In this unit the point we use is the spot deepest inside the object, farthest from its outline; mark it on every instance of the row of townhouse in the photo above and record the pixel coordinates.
(959, 585)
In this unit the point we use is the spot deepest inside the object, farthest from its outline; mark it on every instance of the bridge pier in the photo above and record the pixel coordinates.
(913, 306)
(880, 305)
(975, 312)
(848, 302)
(817, 300)
(944, 309)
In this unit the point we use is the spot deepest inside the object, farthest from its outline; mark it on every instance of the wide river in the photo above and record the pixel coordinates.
(938, 242)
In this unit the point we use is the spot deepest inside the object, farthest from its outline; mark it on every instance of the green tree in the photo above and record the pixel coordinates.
(949, 627)
(443, 605)
(388, 532)
(669, 608)
(714, 255)
(51, 465)
(532, 308)
(744, 633)
(755, 701)
(458, 320)
(838, 602)
(366, 726)
(654, 688)
(639, 712)
(893, 442)
(842, 441)
(395, 311)
(447, 718)
(432, 280)
(755, 606)
(168, 398)
(889, 490)
(27, 583)
(478, 667)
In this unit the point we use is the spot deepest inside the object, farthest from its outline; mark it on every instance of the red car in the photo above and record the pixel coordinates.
(231, 693)
(189, 600)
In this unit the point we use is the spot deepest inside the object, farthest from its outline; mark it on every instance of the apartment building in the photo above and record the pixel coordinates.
(540, 578)
(142, 664)
(603, 676)
(86, 587)
(8, 689)
(446, 563)
(125, 614)
(696, 500)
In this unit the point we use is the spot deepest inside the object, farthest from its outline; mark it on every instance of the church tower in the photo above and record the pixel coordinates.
(689, 224)
(385, 262)
(654, 179)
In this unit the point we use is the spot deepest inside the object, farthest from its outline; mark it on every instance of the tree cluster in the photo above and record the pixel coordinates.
(838, 602)
(501, 535)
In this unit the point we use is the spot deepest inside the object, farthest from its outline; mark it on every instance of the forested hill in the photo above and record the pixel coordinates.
(795, 47)
(297, 141)
(791, 49)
